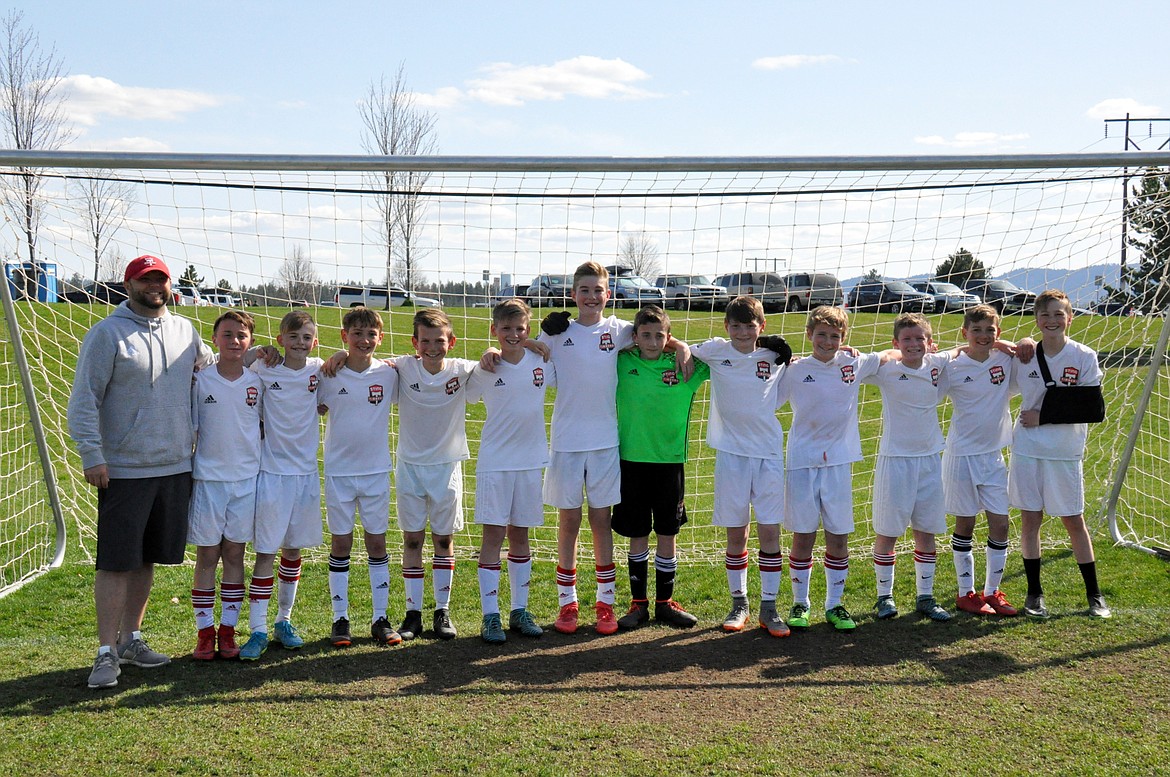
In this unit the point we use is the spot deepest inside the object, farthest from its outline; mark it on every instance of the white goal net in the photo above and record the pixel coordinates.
(270, 232)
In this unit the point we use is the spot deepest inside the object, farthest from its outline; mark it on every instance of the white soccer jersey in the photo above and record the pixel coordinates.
(226, 415)
(1075, 365)
(513, 435)
(585, 358)
(980, 395)
(357, 427)
(292, 428)
(824, 408)
(743, 400)
(910, 406)
(432, 411)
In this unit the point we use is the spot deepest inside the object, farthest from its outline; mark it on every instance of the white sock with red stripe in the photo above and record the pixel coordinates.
(924, 566)
(412, 579)
(519, 579)
(203, 602)
(737, 574)
(489, 587)
(883, 572)
(231, 601)
(606, 583)
(836, 571)
(259, 594)
(442, 573)
(566, 586)
(289, 575)
(799, 571)
(771, 567)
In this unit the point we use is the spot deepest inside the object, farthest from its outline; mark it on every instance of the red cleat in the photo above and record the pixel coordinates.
(566, 622)
(227, 642)
(998, 602)
(606, 620)
(205, 644)
(973, 603)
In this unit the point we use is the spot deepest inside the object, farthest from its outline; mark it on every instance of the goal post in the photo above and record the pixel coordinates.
(274, 230)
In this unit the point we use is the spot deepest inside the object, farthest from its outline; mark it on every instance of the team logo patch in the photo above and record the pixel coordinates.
(605, 342)
(847, 374)
(252, 396)
(314, 382)
(538, 376)
(763, 369)
(670, 377)
(452, 386)
(997, 374)
(1069, 376)
(934, 375)
(376, 395)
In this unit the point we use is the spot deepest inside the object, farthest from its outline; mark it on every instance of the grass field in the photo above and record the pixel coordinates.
(1069, 695)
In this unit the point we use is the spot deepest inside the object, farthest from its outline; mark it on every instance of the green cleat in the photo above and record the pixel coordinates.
(492, 630)
(522, 621)
(840, 618)
(798, 616)
(255, 646)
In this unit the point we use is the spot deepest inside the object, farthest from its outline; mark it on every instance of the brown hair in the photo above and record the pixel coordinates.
(295, 320)
(432, 317)
(1049, 296)
(829, 316)
(590, 268)
(980, 313)
(239, 316)
(744, 310)
(907, 320)
(651, 314)
(509, 309)
(362, 317)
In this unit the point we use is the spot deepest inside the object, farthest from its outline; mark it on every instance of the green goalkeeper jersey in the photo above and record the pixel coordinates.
(654, 407)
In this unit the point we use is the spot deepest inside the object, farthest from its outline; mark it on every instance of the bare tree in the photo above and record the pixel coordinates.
(32, 116)
(104, 201)
(394, 126)
(113, 266)
(299, 277)
(639, 252)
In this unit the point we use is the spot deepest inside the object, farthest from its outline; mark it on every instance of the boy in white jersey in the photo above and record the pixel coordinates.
(907, 485)
(288, 490)
(749, 459)
(823, 443)
(432, 446)
(513, 451)
(1046, 474)
(357, 469)
(225, 410)
(979, 382)
(583, 453)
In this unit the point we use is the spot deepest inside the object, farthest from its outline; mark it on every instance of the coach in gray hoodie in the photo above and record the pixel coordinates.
(130, 417)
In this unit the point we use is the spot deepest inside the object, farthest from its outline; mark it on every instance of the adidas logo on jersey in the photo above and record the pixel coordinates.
(968, 379)
(634, 371)
(903, 376)
(809, 379)
(342, 392)
(499, 382)
(1033, 374)
(725, 363)
(274, 387)
(415, 387)
(568, 341)
(210, 400)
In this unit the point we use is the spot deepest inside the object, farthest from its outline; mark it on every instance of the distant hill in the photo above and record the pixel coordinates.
(1080, 284)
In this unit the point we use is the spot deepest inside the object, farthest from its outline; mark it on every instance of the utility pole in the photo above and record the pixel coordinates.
(1131, 144)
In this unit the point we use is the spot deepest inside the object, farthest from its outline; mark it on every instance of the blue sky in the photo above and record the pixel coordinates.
(604, 78)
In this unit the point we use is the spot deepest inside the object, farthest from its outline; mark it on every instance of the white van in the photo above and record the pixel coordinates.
(380, 297)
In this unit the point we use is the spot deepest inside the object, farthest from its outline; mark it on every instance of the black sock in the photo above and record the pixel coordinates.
(638, 570)
(1032, 571)
(1089, 573)
(664, 572)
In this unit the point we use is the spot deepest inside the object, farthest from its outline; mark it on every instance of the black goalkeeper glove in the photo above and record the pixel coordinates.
(778, 344)
(555, 323)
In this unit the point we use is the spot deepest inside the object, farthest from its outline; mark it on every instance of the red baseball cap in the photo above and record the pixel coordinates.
(144, 264)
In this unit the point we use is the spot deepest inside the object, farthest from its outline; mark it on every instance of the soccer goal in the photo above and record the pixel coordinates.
(271, 232)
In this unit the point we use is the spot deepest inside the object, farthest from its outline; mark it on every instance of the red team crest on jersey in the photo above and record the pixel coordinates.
(376, 395)
(252, 396)
(847, 374)
(314, 381)
(763, 370)
(1069, 376)
(605, 343)
(452, 386)
(538, 376)
(934, 376)
(670, 377)
(997, 375)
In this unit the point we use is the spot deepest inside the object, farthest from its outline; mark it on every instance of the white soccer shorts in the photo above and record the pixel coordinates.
(974, 484)
(742, 482)
(907, 492)
(222, 510)
(1054, 486)
(288, 512)
(596, 473)
(348, 496)
(430, 490)
(511, 498)
(820, 496)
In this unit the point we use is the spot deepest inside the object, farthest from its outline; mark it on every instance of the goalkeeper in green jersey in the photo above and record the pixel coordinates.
(654, 411)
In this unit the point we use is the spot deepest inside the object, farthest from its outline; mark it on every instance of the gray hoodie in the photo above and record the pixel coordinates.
(131, 402)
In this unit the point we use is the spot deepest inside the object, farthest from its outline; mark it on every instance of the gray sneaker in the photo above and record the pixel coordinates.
(105, 671)
(1098, 608)
(927, 606)
(137, 652)
(738, 617)
(1034, 606)
(886, 608)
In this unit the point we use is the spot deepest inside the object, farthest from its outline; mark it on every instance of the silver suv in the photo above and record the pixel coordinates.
(687, 292)
(807, 290)
(768, 287)
(550, 290)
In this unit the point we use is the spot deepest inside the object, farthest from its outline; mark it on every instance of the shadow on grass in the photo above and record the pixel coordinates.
(904, 652)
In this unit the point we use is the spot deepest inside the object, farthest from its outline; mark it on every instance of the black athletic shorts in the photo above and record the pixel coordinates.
(142, 521)
(652, 498)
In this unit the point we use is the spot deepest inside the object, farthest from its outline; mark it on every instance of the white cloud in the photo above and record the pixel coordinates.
(504, 83)
(792, 61)
(967, 140)
(89, 97)
(1117, 107)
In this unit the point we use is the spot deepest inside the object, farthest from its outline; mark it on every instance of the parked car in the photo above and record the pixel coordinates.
(1004, 296)
(633, 291)
(947, 296)
(189, 295)
(687, 292)
(550, 290)
(807, 290)
(519, 291)
(222, 299)
(889, 297)
(381, 297)
(1113, 308)
(108, 292)
(767, 287)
